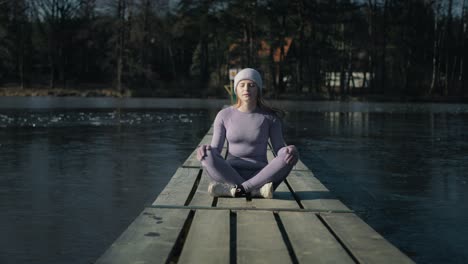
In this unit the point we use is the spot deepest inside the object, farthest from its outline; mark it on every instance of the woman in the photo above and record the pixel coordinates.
(247, 126)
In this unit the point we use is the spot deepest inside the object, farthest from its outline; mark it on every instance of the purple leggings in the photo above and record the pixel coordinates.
(250, 177)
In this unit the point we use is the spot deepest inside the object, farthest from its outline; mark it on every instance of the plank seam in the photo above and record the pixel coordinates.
(233, 237)
(335, 235)
(190, 167)
(174, 255)
(227, 149)
(286, 239)
(272, 150)
(194, 188)
(298, 200)
(299, 170)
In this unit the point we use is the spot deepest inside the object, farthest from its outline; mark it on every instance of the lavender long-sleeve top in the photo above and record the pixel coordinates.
(247, 135)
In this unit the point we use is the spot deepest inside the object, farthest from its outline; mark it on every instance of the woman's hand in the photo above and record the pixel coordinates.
(201, 151)
(292, 155)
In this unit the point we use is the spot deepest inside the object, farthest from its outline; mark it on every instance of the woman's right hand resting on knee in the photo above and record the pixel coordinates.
(201, 151)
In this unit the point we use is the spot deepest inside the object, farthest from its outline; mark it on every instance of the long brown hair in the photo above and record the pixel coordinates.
(263, 105)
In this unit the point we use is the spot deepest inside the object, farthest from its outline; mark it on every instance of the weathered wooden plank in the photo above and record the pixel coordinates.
(270, 155)
(233, 202)
(269, 145)
(308, 178)
(311, 193)
(149, 239)
(201, 196)
(365, 243)
(259, 239)
(178, 189)
(191, 161)
(300, 166)
(206, 140)
(311, 240)
(223, 152)
(208, 238)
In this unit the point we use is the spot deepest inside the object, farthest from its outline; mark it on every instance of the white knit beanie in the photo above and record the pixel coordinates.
(248, 74)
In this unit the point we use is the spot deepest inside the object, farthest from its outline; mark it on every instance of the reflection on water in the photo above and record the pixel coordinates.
(99, 118)
(406, 174)
(72, 181)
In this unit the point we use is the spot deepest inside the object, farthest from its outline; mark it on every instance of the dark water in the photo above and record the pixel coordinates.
(76, 172)
(72, 181)
(406, 174)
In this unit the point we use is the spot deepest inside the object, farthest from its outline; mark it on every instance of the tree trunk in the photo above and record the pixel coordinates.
(282, 56)
(300, 47)
(21, 41)
(383, 73)
(121, 9)
(364, 82)
(435, 48)
(172, 63)
(204, 67)
(349, 76)
(246, 54)
(252, 38)
(281, 84)
(448, 49)
(300, 64)
(21, 68)
(312, 73)
(372, 5)
(52, 72)
(462, 37)
(343, 62)
(145, 49)
(274, 71)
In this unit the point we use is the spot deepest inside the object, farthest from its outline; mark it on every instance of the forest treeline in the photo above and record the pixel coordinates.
(305, 48)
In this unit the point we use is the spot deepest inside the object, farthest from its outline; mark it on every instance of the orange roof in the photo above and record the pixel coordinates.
(264, 50)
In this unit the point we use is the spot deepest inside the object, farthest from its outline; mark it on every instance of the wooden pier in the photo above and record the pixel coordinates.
(303, 223)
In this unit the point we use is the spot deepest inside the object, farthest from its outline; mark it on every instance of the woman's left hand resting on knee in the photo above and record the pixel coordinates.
(292, 155)
(201, 151)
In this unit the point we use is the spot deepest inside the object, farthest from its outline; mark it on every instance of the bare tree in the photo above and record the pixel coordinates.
(435, 48)
(21, 37)
(53, 18)
(462, 39)
(119, 45)
(372, 30)
(448, 48)
(463, 25)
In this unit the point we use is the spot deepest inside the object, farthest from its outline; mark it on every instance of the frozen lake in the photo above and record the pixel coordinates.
(76, 171)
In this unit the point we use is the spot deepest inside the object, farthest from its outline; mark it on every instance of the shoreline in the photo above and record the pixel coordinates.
(61, 92)
(112, 93)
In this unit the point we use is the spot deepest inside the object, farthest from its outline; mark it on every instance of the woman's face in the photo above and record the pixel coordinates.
(247, 91)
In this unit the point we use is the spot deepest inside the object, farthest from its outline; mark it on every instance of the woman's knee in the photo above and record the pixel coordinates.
(210, 157)
(282, 155)
(282, 152)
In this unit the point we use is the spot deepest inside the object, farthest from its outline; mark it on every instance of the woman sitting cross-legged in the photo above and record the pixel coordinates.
(247, 126)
